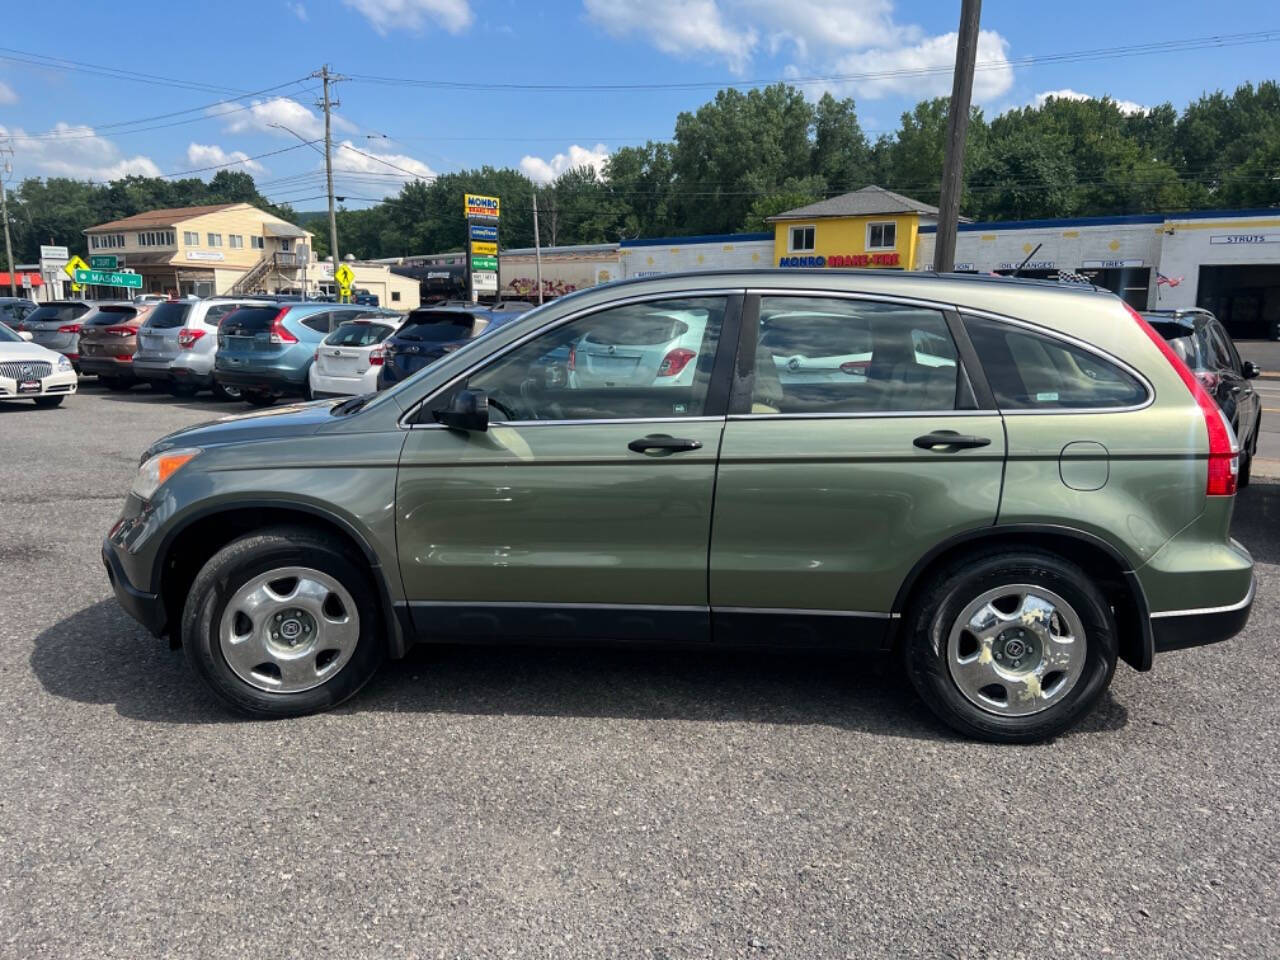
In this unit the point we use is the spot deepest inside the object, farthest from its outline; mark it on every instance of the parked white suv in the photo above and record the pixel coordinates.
(347, 362)
(178, 341)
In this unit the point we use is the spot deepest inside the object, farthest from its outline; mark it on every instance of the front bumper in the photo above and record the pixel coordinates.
(146, 608)
(56, 384)
(1178, 629)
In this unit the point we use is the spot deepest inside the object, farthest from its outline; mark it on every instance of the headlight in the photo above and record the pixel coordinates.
(63, 363)
(156, 470)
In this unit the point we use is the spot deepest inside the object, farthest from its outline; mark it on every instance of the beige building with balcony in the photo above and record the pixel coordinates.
(216, 249)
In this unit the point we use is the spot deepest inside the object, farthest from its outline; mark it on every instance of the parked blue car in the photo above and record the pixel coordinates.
(267, 351)
(430, 332)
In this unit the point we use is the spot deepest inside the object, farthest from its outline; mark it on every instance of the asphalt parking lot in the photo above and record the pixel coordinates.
(543, 803)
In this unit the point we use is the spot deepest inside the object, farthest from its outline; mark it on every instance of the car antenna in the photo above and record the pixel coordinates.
(1026, 261)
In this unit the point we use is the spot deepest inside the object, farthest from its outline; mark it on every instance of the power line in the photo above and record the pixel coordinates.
(61, 63)
(1102, 53)
(238, 162)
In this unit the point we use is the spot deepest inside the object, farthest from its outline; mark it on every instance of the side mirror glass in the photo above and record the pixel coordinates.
(467, 410)
(1251, 369)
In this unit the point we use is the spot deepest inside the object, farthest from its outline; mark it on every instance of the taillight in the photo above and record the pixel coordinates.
(376, 357)
(1224, 453)
(124, 357)
(70, 328)
(187, 337)
(675, 361)
(573, 358)
(278, 332)
(855, 367)
(120, 331)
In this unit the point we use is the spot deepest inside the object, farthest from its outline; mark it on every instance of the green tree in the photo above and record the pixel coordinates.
(789, 195)
(841, 154)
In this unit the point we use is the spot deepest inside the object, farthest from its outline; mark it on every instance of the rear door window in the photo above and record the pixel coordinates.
(819, 355)
(166, 316)
(1033, 371)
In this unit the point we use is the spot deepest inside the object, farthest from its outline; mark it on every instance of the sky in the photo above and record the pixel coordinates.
(187, 89)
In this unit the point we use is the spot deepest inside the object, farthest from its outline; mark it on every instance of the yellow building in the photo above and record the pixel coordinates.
(871, 227)
(214, 249)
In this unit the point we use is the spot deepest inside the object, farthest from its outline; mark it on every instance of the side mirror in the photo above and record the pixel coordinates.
(468, 410)
(25, 335)
(1251, 369)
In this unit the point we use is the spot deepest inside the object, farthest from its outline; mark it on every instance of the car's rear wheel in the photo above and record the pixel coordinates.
(283, 623)
(223, 392)
(257, 398)
(1011, 647)
(48, 401)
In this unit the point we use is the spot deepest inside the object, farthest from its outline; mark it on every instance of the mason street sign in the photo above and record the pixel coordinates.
(106, 278)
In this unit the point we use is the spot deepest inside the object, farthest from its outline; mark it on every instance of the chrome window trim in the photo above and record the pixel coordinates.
(1202, 611)
(567, 318)
(873, 415)
(802, 612)
(562, 423)
(1075, 342)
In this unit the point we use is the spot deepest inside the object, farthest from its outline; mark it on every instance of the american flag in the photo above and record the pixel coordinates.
(1162, 280)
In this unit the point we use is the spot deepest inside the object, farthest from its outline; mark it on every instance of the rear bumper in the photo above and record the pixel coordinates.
(1178, 629)
(147, 369)
(146, 608)
(107, 367)
(263, 382)
(194, 377)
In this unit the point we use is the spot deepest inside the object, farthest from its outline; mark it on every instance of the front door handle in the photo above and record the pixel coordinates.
(949, 438)
(661, 441)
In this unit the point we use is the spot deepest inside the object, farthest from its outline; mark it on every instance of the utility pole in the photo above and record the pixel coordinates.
(944, 251)
(6, 170)
(537, 245)
(327, 78)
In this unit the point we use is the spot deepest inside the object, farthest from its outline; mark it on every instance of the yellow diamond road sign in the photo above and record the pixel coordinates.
(74, 264)
(344, 275)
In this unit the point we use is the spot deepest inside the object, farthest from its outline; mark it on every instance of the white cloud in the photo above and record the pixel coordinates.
(1126, 106)
(902, 70)
(683, 28)
(299, 10)
(261, 115)
(76, 152)
(544, 171)
(386, 16)
(823, 38)
(201, 155)
(7, 94)
(397, 168)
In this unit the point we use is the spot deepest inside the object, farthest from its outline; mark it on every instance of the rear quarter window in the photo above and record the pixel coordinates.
(1033, 371)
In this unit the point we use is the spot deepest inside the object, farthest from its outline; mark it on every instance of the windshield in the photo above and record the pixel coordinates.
(167, 315)
(59, 312)
(8, 336)
(105, 316)
(360, 333)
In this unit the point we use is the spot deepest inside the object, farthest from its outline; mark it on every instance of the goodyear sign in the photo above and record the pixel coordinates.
(477, 205)
(484, 232)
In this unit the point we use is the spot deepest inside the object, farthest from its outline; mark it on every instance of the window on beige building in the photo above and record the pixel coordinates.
(191, 238)
(215, 239)
(235, 241)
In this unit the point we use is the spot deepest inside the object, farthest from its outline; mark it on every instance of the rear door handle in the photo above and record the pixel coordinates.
(949, 438)
(661, 441)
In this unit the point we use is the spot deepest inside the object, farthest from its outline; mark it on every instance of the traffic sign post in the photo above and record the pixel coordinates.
(344, 276)
(103, 278)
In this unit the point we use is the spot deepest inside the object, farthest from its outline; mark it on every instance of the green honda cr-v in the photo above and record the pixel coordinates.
(1012, 483)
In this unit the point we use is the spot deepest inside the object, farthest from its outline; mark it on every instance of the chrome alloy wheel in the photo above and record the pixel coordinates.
(1016, 650)
(289, 630)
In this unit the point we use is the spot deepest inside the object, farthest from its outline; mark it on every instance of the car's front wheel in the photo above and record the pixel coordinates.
(223, 392)
(283, 623)
(1011, 647)
(48, 401)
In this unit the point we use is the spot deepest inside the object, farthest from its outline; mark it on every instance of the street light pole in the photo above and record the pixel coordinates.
(944, 251)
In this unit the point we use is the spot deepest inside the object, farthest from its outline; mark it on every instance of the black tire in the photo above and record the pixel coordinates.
(182, 389)
(250, 556)
(222, 392)
(940, 602)
(257, 399)
(48, 401)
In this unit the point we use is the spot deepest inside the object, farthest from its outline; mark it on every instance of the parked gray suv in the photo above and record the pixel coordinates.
(179, 341)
